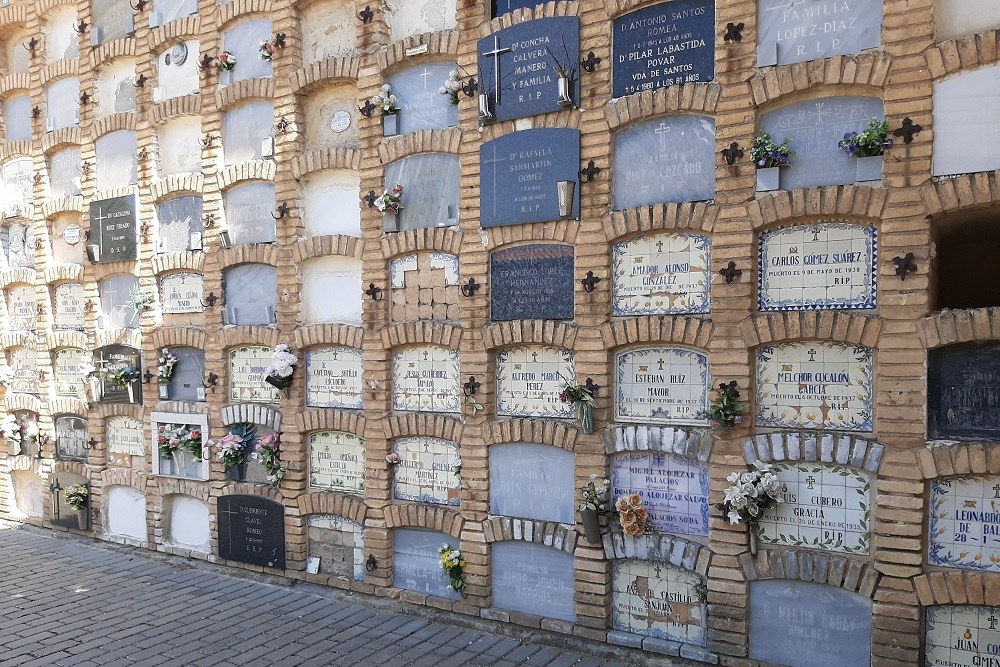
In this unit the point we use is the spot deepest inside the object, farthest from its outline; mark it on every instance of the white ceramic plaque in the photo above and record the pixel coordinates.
(124, 436)
(334, 378)
(426, 379)
(962, 636)
(182, 292)
(673, 489)
(822, 506)
(336, 461)
(964, 523)
(661, 386)
(809, 267)
(23, 366)
(657, 600)
(661, 274)
(530, 380)
(247, 367)
(69, 377)
(69, 306)
(814, 384)
(427, 471)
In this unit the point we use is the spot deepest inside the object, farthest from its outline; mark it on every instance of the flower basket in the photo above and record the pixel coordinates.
(870, 168)
(390, 125)
(278, 382)
(591, 525)
(768, 179)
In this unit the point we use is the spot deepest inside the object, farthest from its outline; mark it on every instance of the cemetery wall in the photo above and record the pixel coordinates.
(154, 202)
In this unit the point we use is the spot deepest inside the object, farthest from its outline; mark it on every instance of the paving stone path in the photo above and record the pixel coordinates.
(70, 601)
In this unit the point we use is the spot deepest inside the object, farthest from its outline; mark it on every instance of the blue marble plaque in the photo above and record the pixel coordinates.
(664, 160)
(519, 66)
(421, 106)
(664, 45)
(532, 282)
(534, 579)
(415, 564)
(519, 176)
(501, 7)
(804, 624)
(112, 228)
(532, 481)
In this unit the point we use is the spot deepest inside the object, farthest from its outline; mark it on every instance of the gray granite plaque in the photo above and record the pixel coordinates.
(430, 196)
(415, 564)
(113, 228)
(532, 282)
(116, 302)
(71, 437)
(966, 135)
(245, 127)
(65, 172)
(421, 106)
(251, 294)
(117, 166)
(252, 530)
(792, 32)
(249, 213)
(533, 579)
(180, 226)
(532, 481)
(188, 381)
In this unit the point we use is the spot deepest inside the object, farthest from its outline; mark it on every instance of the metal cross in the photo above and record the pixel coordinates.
(907, 131)
(734, 32)
(812, 354)
(996, 490)
(495, 54)
(732, 154)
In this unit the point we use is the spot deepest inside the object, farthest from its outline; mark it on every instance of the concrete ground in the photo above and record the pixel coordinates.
(65, 600)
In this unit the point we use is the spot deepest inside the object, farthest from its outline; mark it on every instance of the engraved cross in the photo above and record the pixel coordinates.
(996, 490)
(659, 363)
(662, 132)
(659, 246)
(810, 482)
(812, 354)
(426, 73)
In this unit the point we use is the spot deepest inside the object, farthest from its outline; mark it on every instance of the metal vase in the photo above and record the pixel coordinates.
(390, 125)
(164, 390)
(591, 525)
(585, 411)
(768, 179)
(565, 95)
(565, 191)
(485, 108)
(870, 168)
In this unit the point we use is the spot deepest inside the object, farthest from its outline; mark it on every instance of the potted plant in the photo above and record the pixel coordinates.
(225, 61)
(269, 454)
(769, 157)
(868, 146)
(451, 86)
(582, 398)
(749, 496)
(78, 497)
(390, 204)
(165, 371)
(386, 103)
(633, 515)
(279, 373)
(453, 566)
(595, 497)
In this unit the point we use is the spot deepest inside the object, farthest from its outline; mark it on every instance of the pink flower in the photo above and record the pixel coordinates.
(392, 459)
(737, 420)
(161, 429)
(196, 435)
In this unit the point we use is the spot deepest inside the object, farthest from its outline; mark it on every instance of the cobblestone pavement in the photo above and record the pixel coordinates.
(71, 601)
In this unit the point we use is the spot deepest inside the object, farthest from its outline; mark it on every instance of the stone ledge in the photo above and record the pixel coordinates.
(687, 441)
(817, 447)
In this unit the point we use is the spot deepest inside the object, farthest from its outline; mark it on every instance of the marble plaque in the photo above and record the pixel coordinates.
(182, 292)
(251, 294)
(249, 216)
(955, 18)
(520, 173)
(24, 370)
(532, 282)
(19, 245)
(802, 624)
(334, 378)
(426, 379)
(421, 106)
(823, 506)
(17, 118)
(179, 138)
(245, 127)
(113, 228)
(115, 357)
(336, 461)
(533, 579)
(117, 166)
(667, 44)
(69, 376)
(430, 197)
(519, 65)
(661, 386)
(962, 394)
(657, 600)
(966, 135)
(663, 274)
(530, 380)
(62, 104)
(116, 302)
(22, 310)
(427, 471)
(500, 7)
(71, 437)
(252, 530)
(964, 523)
(814, 385)
(674, 489)
(331, 203)
(332, 274)
(962, 636)
(69, 300)
(532, 481)
(124, 436)
(18, 188)
(112, 19)
(248, 365)
(415, 564)
(813, 267)
(664, 160)
(180, 226)
(792, 32)
(815, 127)
(242, 40)
(65, 172)
(188, 381)
(338, 545)
(171, 11)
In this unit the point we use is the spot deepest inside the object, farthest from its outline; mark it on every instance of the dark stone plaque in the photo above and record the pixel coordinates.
(518, 66)
(252, 530)
(520, 172)
(963, 392)
(71, 438)
(532, 282)
(117, 357)
(112, 228)
(501, 7)
(664, 45)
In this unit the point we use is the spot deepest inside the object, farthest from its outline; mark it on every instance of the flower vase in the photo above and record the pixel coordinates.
(390, 124)
(591, 525)
(131, 392)
(278, 382)
(390, 221)
(870, 168)
(83, 518)
(238, 472)
(767, 179)
(164, 390)
(565, 94)
(585, 411)
(173, 465)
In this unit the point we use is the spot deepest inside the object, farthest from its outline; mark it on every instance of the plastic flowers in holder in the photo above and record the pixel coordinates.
(633, 515)
(266, 50)
(766, 154)
(76, 496)
(751, 494)
(171, 438)
(269, 454)
(453, 566)
(582, 398)
(393, 459)
(391, 201)
(165, 366)
(279, 373)
(10, 429)
(232, 449)
(120, 377)
(451, 86)
(595, 496)
(225, 61)
(871, 142)
(385, 101)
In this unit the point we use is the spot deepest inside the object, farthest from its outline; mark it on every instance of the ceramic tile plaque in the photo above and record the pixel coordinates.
(533, 579)
(18, 188)
(71, 437)
(182, 292)
(24, 370)
(802, 624)
(426, 472)
(400, 266)
(675, 489)
(336, 547)
(532, 481)
(415, 564)
(124, 436)
(22, 310)
(69, 377)
(966, 136)
(814, 385)
(812, 267)
(69, 314)
(822, 506)
(248, 365)
(530, 380)
(426, 379)
(962, 392)
(336, 461)
(657, 600)
(661, 386)
(964, 523)
(334, 378)
(113, 228)
(962, 636)
(667, 44)
(661, 274)
(532, 282)
(792, 32)
(421, 106)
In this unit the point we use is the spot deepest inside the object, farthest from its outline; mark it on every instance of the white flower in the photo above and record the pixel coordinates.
(753, 509)
(761, 466)
(733, 478)
(385, 88)
(442, 91)
(734, 517)
(453, 75)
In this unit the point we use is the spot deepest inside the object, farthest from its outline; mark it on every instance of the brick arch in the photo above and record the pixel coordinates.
(239, 9)
(423, 424)
(126, 477)
(25, 463)
(177, 184)
(103, 271)
(853, 576)
(865, 73)
(426, 333)
(244, 91)
(563, 119)
(70, 204)
(435, 239)
(130, 337)
(535, 431)
(316, 419)
(60, 69)
(9, 339)
(181, 487)
(187, 27)
(959, 326)
(248, 254)
(14, 276)
(659, 548)
(425, 141)
(61, 273)
(247, 335)
(676, 329)
(113, 123)
(65, 405)
(963, 54)
(329, 158)
(548, 533)
(564, 231)
(14, 402)
(814, 447)
(179, 260)
(690, 442)
(957, 459)
(961, 192)
(698, 99)
(438, 44)
(60, 339)
(341, 70)
(61, 137)
(107, 410)
(111, 50)
(331, 502)
(691, 216)
(313, 247)
(256, 170)
(12, 82)
(15, 14)
(251, 413)
(322, 335)
(43, 7)
(413, 515)
(530, 332)
(15, 149)
(259, 490)
(824, 325)
(180, 337)
(186, 105)
(72, 467)
(813, 203)
(961, 588)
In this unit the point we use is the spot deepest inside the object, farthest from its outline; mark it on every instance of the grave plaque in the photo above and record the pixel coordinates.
(182, 292)
(113, 19)
(62, 107)
(117, 166)
(426, 379)
(674, 489)
(19, 245)
(812, 267)
(446, 262)
(670, 159)
(69, 306)
(814, 385)
(251, 294)
(334, 378)
(530, 380)
(65, 172)
(243, 41)
(533, 579)
(188, 380)
(17, 118)
(421, 106)
(792, 32)
(252, 530)
(661, 274)
(966, 136)
(117, 306)
(519, 66)
(247, 367)
(247, 128)
(661, 386)
(124, 436)
(520, 173)
(430, 198)
(336, 461)
(964, 523)
(23, 366)
(962, 392)
(248, 213)
(962, 636)
(415, 564)
(532, 282)
(22, 311)
(532, 481)
(71, 438)
(60, 513)
(822, 506)
(427, 471)
(657, 600)
(803, 624)
(113, 228)
(69, 376)
(667, 44)
(333, 274)
(180, 226)
(337, 547)
(18, 188)
(118, 357)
